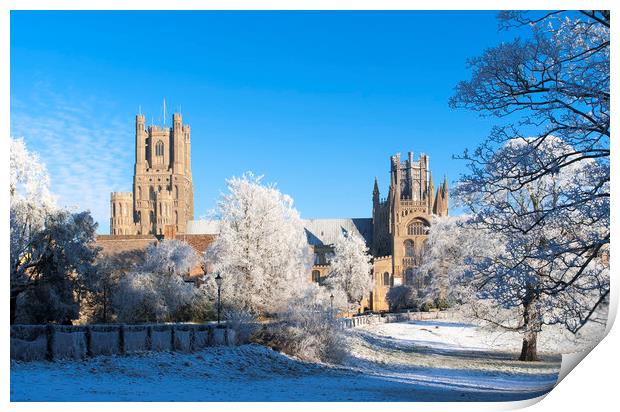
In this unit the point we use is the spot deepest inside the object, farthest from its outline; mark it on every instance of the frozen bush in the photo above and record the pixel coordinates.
(242, 322)
(308, 329)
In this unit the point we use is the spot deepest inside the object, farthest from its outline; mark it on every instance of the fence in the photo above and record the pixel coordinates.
(51, 342)
(390, 318)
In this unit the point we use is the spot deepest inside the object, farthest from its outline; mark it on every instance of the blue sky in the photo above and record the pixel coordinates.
(315, 101)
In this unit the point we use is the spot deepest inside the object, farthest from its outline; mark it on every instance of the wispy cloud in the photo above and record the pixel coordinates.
(87, 147)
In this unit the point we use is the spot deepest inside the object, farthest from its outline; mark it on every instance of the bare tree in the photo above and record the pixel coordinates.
(554, 87)
(542, 264)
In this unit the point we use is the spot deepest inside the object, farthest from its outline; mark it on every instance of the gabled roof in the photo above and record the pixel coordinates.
(325, 231)
(319, 232)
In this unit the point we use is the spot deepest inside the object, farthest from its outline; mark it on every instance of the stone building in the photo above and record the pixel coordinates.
(163, 194)
(396, 233)
(161, 206)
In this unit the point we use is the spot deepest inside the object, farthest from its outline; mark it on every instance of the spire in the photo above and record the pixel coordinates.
(375, 191)
(441, 201)
(431, 184)
(431, 192)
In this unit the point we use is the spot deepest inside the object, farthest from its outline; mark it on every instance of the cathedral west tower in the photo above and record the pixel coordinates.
(163, 194)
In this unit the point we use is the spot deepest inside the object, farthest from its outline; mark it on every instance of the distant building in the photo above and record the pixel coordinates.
(395, 234)
(162, 206)
(163, 193)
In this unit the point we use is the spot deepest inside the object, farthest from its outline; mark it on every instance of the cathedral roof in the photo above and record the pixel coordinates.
(325, 231)
(318, 231)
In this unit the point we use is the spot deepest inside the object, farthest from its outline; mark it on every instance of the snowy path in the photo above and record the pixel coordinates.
(418, 361)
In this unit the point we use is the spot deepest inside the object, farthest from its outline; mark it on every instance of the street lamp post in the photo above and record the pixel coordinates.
(218, 281)
(331, 305)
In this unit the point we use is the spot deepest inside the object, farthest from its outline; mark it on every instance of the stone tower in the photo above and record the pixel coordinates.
(163, 193)
(401, 222)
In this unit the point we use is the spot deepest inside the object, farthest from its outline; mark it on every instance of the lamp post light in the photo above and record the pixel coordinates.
(218, 281)
(331, 305)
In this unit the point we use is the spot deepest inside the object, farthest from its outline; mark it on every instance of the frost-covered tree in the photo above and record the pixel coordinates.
(350, 268)
(551, 84)
(157, 291)
(52, 250)
(451, 247)
(174, 256)
(261, 251)
(545, 256)
(152, 297)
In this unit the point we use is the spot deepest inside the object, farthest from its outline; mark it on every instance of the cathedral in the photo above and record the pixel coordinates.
(396, 232)
(161, 206)
(163, 194)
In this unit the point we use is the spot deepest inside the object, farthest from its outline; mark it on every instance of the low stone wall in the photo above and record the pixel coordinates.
(52, 342)
(390, 318)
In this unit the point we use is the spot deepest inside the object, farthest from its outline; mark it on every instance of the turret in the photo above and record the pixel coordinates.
(140, 143)
(395, 175)
(187, 151)
(178, 144)
(121, 213)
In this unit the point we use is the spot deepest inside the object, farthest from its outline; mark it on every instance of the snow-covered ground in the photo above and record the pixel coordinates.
(415, 361)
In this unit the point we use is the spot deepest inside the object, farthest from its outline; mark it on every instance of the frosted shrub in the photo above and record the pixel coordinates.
(243, 322)
(151, 297)
(308, 330)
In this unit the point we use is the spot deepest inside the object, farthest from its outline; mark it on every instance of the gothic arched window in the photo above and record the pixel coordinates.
(417, 227)
(316, 276)
(409, 248)
(386, 279)
(159, 148)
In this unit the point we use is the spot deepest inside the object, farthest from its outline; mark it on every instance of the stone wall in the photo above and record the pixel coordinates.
(52, 342)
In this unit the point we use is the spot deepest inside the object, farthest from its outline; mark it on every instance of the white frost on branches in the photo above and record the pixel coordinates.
(51, 250)
(261, 251)
(350, 268)
(174, 256)
(157, 291)
(550, 265)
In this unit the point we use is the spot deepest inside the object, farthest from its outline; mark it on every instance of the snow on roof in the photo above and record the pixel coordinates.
(318, 231)
(203, 227)
(325, 231)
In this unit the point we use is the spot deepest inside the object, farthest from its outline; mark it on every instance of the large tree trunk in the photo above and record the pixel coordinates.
(531, 322)
(528, 350)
